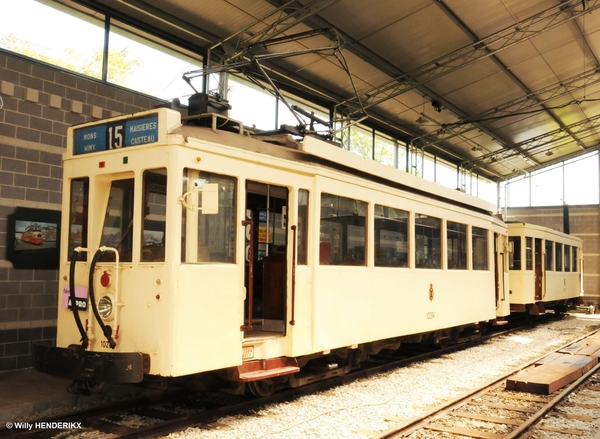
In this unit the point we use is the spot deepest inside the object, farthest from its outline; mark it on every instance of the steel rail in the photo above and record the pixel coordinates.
(421, 421)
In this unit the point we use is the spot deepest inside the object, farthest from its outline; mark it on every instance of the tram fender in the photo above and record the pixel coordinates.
(111, 367)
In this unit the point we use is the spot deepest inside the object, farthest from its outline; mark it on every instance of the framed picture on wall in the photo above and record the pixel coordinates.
(33, 238)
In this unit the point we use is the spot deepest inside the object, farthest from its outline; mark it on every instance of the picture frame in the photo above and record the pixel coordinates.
(33, 238)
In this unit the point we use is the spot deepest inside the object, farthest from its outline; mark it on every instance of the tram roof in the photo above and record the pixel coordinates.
(315, 150)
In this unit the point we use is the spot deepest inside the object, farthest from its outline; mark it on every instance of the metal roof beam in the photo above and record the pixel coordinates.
(520, 106)
(484, 48)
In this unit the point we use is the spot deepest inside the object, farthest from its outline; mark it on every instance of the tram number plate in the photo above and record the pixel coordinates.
(80, 304)
(247, 352)
(116, 135)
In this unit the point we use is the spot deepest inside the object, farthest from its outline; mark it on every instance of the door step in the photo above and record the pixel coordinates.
(262, 369)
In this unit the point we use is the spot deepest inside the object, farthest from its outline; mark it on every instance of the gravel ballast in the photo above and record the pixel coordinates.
(368, 407)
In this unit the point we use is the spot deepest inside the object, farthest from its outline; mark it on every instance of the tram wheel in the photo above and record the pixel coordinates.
(441, 340)
(264, 387)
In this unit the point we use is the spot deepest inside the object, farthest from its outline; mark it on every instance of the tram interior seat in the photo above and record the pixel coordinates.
(386, 257)
(153, 253)
(355, 256)
(324, 253)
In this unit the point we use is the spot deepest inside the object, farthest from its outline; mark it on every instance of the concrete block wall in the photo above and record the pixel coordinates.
(38, 104)
(584, 222)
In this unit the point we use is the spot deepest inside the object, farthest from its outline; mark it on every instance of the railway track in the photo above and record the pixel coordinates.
(494, 412)
(180, 410)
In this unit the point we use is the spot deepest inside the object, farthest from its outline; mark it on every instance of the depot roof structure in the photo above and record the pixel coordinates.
(500, 87)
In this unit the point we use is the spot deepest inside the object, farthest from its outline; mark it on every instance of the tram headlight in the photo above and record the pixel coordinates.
(105, 307)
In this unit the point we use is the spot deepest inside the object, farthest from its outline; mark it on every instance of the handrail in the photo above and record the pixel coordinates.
(293, 321)
(250, 277)
(116, 294)
(84, 338)
(106, 329)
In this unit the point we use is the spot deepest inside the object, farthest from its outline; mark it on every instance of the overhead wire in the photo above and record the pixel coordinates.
(521, 113)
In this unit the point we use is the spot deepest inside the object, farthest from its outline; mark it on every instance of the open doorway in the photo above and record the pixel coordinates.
(265, 258)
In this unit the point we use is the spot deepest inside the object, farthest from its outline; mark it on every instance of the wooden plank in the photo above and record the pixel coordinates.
(107, 427)
(582, 406)
(548, 358)
(550, 376)
(526, 398)
(572, 349)
(465, 432)
(544, 380)
(576, 360)
(504, 407)
(577, 417)
(586, 347)
(561, 430)
(486, 418)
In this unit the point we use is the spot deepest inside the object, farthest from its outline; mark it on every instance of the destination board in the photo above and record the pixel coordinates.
(115, 135)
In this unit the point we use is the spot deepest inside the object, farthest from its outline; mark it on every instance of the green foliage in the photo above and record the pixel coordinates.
(122, 66)
(360, 142)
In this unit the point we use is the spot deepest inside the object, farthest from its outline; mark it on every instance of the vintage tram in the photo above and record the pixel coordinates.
(191, 244)
(545, 269)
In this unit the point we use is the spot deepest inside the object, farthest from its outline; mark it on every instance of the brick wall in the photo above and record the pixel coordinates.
(584, 222)
(39, 104)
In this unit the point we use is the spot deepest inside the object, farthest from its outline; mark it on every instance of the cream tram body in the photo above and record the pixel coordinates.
(334, 247)
(545, 268)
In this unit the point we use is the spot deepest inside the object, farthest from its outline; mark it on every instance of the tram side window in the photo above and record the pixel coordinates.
(559, 257)
(78, 216)
(155, 213)
(528, 253)
(514, 257)
(574, 260)
(118, 222)
(480, 248)
(342, 231)
(391, 237)
(456, 235)
(302, 226)
(549, 255)
(209, 237)
(567, 257)
(428, 251)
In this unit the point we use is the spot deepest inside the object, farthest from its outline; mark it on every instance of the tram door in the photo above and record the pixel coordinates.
(539, 276)
(266, 258)
(498, 267)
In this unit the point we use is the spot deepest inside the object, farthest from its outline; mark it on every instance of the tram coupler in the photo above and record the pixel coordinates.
(86, 388)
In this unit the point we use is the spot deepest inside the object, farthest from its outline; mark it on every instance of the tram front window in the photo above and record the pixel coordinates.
(514, 257)
(118, 221)
(155, 214)
(209, 238)
(78, 216)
